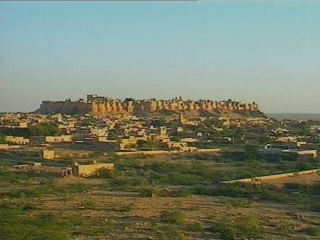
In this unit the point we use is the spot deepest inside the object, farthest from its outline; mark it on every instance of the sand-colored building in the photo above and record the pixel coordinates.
(178, 146)
(51, 139)
(90, 169)
(4, 146)
(17, 140)
(47, 154)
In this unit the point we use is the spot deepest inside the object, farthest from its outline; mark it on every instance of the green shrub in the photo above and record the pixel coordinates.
(146, 192)
(226, 231)
(249, 227)
(181, 192)
(166, 232)
(244, 228)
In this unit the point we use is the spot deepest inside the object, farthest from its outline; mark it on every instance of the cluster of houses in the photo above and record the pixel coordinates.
(119, 132)
(123, 134)
(291, 145)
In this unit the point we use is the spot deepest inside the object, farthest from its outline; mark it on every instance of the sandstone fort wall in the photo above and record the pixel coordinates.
(105, 106)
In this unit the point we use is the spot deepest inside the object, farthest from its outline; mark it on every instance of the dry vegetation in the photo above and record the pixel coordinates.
(155, 199)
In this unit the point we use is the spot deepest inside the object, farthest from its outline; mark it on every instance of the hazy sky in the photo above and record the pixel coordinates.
(263, 51)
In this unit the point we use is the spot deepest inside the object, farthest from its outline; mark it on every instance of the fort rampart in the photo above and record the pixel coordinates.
(103, 106)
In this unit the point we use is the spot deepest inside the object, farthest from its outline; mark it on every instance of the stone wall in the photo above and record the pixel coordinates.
(275, 176)
(64, 107)
(105, 106)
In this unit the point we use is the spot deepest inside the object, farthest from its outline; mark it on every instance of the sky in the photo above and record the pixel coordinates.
(263, 51)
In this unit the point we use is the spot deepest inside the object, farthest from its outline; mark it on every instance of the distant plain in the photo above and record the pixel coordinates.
(295, 116)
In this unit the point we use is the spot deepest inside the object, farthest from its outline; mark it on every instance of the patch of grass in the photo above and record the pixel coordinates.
(166, 232)
(89, 204)
(127, 183)
(20, 203)
(15, 226)
(171, 216)
(255, 192)
(74, 220)
(9, 177)
(194, 227)
(75, 188)
(126, 208)
(176, 192)
(236, 203)
(46, 187)
(314, 231)
(315, 206)
(244, 228)
(182, 179)
(180, 192)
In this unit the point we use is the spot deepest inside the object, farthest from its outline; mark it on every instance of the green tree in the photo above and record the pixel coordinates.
(251, 150)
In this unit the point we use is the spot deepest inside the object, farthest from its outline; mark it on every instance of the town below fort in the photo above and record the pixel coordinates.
(158, 169)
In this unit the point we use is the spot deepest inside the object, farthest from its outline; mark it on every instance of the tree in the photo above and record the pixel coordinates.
(42, 129)
(251, 150)
(112, 135)
(150, 145)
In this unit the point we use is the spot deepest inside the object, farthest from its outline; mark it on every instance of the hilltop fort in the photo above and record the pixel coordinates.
(103, 106)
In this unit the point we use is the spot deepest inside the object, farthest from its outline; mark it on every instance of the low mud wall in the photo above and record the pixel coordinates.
(275, 176)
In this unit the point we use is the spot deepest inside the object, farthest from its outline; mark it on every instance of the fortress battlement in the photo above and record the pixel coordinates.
(97, 105)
